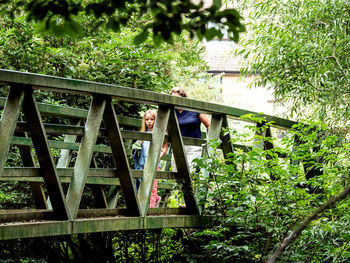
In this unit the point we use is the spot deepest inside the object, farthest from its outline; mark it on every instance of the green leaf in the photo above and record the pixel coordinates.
(217, 3)
(140, 38)
(59, 27)
(211, 33)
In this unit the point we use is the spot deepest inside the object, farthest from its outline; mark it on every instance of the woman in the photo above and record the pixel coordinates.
(190, 123)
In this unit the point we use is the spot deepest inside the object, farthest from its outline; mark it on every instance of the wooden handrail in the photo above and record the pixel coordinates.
(82, 87)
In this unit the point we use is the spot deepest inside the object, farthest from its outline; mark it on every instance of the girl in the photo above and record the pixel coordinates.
(148, 121)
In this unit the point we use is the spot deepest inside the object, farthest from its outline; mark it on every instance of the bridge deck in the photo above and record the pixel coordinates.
(42, 228)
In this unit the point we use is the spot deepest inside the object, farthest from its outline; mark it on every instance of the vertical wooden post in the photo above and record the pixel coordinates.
(265, 144)
(226, 144)
(97, 190)
(214, 133)
(113, 196)
(66, 154)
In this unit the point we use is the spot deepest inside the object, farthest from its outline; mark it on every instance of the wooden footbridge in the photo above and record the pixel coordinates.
(58, 181)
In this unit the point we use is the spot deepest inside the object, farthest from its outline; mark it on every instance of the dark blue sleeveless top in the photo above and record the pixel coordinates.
(189, 123)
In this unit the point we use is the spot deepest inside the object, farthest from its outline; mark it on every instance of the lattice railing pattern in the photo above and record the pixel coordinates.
(58, 189)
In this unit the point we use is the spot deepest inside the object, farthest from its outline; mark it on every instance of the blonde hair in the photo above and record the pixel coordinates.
(153, 113)
(179, 90)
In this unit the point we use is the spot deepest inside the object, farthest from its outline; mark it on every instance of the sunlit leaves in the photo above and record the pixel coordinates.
(300, 51)
(168, 18)
(59, 27)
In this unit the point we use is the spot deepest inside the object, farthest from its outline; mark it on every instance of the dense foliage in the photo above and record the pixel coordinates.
(103, 56)
(263, 194)
(166, 18)
(300, 51)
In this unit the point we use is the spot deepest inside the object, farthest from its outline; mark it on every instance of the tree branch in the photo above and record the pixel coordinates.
(296, 233)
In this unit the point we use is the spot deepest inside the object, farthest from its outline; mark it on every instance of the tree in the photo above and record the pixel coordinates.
(300, 51)
(105, 56)
(166, 17)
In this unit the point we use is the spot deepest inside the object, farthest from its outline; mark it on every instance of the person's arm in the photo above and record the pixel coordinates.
(164, 147)
(163, 151)
(205, 120)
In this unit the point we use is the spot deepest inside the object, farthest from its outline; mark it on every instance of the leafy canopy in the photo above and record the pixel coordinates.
(168, 18)
(300, 51)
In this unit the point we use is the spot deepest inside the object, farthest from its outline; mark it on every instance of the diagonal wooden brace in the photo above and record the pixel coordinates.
(38, 192)
(121, 160)
(184, 176)
(82, 164)
(9, 120)
(47, 166)
(152, 160)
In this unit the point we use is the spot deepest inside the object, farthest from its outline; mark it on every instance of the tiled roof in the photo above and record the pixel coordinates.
(219, 56)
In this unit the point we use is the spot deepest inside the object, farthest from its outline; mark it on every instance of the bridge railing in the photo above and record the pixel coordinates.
(58, 184)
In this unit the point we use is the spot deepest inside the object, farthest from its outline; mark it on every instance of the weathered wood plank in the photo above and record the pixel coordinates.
(66, 154)
(94, 213)
(213, 134)
(92, 172)
(93, 225)
(128, 94)
(92, 126)
(167, 211)
(11, 216)
(60, 144)
(47, 166)
(89, 181)
(57, 129)
(70, 112)
(36, 188)
(121, 160)
(226, 144)
(159, 174)
(64, 179)
(8, 122)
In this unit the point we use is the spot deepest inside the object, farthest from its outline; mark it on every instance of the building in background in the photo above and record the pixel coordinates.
(235, 88)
